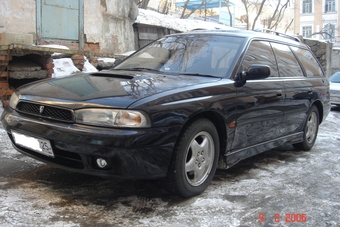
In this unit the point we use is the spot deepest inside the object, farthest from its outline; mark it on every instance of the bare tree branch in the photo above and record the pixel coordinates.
(185, 16)
(320, 33)
(280, 14)
(274, 15)
(290, 23)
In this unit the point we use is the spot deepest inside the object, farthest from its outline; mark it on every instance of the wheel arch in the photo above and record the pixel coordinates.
(319, 106)
(219, 124)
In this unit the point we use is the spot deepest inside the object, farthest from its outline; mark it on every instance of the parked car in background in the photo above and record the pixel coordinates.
(176, 109)
(334, 81)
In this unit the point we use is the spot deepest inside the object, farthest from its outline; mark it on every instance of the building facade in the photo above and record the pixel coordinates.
(98, 26)
(317, 19)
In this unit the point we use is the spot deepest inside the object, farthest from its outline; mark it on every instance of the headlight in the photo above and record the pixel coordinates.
(112, 118)
(14, 100)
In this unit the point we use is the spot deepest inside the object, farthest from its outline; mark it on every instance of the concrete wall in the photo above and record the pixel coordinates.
(335, 62)
(106, 22)
(323, 52)
(17, 16)
(109, 22)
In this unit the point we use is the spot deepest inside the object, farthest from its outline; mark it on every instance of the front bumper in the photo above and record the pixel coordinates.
(130, 153)
(335, 97)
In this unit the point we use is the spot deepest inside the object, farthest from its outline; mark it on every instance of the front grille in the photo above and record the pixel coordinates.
(50, 112)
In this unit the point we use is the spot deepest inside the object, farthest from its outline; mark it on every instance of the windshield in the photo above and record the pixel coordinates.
(209, 55)
(335, 78)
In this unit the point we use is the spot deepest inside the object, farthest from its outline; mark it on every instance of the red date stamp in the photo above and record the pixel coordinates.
(286, 217)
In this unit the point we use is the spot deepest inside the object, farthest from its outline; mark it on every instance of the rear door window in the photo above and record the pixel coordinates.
(288, 65)
(308, 61)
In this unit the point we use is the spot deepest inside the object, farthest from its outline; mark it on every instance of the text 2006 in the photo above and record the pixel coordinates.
(286, 217)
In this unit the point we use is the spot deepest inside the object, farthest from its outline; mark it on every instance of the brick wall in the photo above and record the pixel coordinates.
(5, 90)
(88, 47)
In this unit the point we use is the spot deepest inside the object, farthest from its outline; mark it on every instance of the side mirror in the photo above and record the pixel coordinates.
(240, 79)
(256, 72)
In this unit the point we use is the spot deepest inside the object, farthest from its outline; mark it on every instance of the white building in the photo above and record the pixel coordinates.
(317, 19)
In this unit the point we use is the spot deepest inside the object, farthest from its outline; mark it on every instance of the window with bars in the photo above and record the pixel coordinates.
(306, 31)
(307, 6)
(330, 6)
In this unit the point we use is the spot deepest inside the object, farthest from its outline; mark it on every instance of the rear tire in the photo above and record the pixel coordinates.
(310, 130)
(194, 160)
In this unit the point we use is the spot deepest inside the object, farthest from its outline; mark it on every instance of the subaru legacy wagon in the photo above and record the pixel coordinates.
(178, 109)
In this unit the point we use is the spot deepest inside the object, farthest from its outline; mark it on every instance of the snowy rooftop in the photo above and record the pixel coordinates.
(153, 18)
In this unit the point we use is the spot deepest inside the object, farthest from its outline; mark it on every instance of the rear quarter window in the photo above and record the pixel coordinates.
(288, 65)
(308, 61)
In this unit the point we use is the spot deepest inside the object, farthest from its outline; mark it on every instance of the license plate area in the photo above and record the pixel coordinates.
(39, 145)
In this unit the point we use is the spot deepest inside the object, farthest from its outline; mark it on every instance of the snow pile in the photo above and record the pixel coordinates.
(88, 67)
(153, 18)
(63, 67)
(55, 46)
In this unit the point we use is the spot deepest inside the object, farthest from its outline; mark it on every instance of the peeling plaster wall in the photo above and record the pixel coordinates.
(109, 22)
(17, 16)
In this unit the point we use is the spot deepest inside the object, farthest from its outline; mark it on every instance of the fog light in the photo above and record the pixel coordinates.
(8, 118)
(102, 163)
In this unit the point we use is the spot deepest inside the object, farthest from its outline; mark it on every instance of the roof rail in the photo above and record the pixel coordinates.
(278, 34)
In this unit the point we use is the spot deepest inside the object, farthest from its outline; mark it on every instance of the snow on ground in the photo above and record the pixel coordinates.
(272, 183)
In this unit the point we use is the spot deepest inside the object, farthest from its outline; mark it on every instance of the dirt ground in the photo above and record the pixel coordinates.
(281, 187)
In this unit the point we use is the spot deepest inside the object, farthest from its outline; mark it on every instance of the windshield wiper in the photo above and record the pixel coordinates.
(200, 74)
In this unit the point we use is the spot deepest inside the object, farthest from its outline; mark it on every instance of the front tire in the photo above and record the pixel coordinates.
(310, 131)
(195, 159)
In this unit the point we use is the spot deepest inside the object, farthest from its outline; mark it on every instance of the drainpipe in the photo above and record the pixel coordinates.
(81, 25)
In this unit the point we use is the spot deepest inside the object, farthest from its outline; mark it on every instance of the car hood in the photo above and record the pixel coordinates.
(110, 88)
(334, 86)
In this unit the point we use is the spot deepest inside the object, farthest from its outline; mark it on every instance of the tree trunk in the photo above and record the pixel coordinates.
(245, 3)
(184, 8)
(258, 14)
(230, 15)
(270, 20)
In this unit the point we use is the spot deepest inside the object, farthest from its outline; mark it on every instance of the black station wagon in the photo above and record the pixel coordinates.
(176, 109)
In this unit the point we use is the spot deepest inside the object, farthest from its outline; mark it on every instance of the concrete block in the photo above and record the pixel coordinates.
(24, 65)
(39, 74)
(8, 38)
